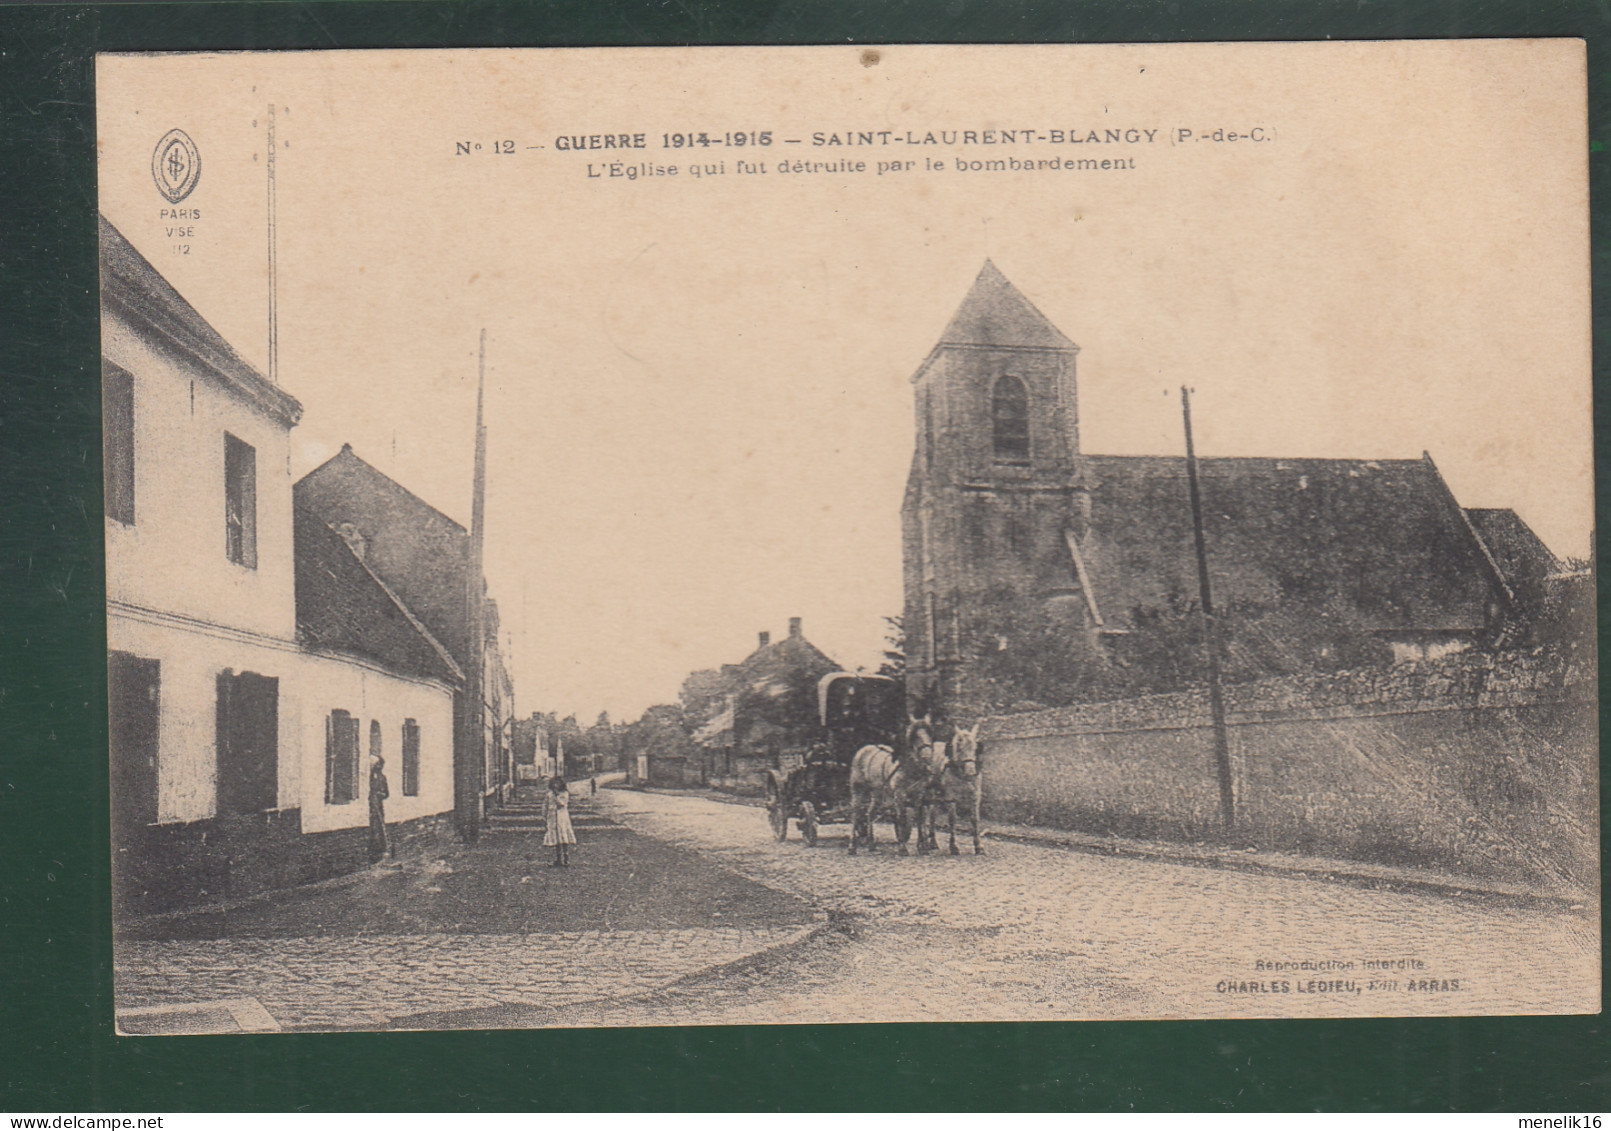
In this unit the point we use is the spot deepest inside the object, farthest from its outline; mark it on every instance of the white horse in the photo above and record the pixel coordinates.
(958, 783)
(880, 780)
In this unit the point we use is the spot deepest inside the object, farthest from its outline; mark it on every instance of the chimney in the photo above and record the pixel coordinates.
(794, 628)
(766, 638)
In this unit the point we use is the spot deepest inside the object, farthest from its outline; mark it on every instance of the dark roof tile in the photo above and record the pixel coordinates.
(135, 290)
(995, 313)
(1381, 537)
(342, 606)
(1520, 553)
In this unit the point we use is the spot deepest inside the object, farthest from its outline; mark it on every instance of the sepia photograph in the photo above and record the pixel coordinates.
(617, 537)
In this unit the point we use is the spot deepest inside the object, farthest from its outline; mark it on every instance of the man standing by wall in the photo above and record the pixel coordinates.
(378, 792)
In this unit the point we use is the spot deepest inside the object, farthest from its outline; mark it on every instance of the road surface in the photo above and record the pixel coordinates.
(1039, 933)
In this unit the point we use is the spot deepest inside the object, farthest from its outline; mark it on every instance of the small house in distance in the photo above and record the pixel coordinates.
(757, 714)
(659, 752)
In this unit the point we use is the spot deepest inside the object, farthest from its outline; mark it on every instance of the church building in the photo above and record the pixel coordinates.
(1038, 575)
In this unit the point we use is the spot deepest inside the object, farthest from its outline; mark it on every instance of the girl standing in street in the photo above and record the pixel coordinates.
(557, 817)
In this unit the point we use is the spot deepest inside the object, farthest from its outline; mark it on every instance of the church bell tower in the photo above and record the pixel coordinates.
(996, 488)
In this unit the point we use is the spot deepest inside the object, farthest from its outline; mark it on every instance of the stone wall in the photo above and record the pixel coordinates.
(745, 774)
(675, 771)
(1479, 765)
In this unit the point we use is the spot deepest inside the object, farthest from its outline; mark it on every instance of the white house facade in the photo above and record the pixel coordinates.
(239, 749)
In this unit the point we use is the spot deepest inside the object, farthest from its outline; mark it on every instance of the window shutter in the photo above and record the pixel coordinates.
(117, 441)
(411, 758)
(223, 732)
(240, 501)
(341, 758)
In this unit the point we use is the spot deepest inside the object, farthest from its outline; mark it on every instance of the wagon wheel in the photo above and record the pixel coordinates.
(776, 815)
(808, 822)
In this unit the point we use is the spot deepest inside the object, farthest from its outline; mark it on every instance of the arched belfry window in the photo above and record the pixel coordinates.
(1009, 415)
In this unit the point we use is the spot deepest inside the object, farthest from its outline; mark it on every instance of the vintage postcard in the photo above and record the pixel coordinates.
(848, 534)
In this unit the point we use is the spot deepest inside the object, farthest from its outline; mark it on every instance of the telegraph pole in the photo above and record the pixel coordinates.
(470, 772)
(273, 262)
(1216, 693)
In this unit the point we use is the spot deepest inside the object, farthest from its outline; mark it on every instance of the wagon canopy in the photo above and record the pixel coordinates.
(870, 707)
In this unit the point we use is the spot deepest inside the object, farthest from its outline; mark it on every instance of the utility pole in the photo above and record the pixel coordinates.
(1216, 693)
(470, 770)
(273, 261)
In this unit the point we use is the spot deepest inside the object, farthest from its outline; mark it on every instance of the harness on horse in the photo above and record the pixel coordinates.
(894, 766)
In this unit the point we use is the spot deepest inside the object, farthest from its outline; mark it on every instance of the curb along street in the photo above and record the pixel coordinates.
(1316, 868)
(521, 1015)
(1320, 869)
(488, 927)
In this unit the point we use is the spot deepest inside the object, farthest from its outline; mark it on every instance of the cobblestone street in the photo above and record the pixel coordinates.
(368, 981)
(688, 912)
(1028, 932)
(475, 928)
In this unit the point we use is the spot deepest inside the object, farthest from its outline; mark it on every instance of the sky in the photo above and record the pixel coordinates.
(699, 407)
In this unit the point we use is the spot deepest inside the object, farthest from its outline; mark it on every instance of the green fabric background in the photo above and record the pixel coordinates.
(57, 1049)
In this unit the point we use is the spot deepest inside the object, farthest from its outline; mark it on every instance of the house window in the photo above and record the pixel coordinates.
(117, 441)
(411, 758)
(248, 742)
(340, 758)
(1009, 414)
(240, 501)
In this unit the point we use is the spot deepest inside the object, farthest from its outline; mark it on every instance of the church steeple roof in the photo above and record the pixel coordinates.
(996, 313)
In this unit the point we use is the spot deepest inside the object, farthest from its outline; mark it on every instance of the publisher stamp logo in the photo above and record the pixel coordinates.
(176, 165)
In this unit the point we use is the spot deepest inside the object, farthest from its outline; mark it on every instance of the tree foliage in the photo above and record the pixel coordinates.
(894, 662)
(1027, 654)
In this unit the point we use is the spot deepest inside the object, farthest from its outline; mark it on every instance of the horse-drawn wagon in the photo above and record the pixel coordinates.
(871, 757)
(855, 711)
